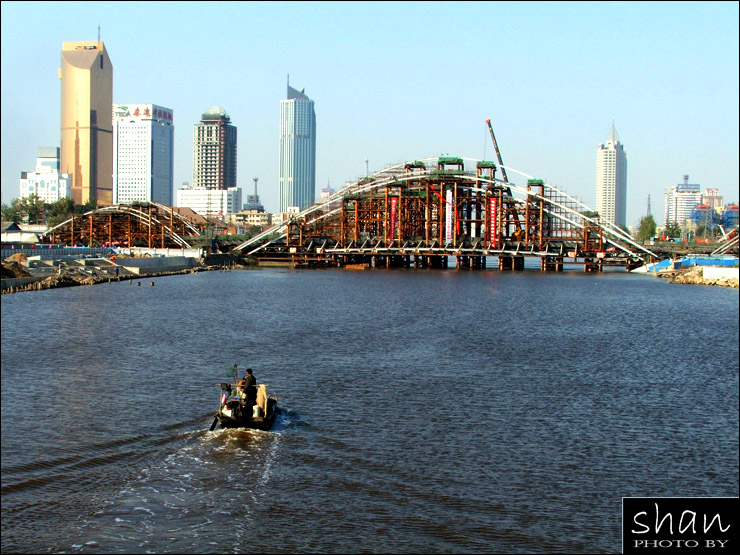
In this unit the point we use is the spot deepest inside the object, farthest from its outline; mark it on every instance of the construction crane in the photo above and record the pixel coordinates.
(507, 190)
(498, 154)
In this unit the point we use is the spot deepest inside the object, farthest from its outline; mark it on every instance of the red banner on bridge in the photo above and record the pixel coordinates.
(394, 209)
(492, 218)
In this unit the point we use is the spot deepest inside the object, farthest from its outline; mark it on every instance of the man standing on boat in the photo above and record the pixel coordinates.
(250, 386)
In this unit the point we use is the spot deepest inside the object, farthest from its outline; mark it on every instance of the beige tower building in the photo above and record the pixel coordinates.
(87, 121)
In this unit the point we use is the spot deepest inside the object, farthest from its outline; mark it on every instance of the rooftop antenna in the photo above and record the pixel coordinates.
(98, 33)
(367, 168)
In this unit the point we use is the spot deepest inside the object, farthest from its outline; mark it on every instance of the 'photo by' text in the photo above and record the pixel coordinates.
(688, 524)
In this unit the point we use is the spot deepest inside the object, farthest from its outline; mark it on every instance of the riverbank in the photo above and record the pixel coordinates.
(697, 275)
(18, 276)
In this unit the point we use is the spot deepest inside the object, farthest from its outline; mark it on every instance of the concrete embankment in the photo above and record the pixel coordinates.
(703, 275)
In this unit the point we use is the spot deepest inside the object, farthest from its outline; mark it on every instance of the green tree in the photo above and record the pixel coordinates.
(12, 212)
(29, 210)
(90, 205)
(34, 209)
(646, 228)
(707, 231)
(60, 211)
(672, 230)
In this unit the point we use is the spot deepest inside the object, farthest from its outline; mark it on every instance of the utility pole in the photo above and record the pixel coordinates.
(649, 211)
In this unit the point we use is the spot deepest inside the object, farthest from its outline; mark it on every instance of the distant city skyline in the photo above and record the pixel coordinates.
(670, 81)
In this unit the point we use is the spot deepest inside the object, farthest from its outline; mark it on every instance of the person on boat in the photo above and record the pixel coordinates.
(250, 386)
(240, 387)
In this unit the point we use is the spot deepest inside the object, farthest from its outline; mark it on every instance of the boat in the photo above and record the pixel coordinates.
(237, 410)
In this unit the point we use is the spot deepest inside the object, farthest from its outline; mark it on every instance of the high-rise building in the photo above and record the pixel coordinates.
(680, 201)
(712, 198)
(143, 153)
(46, 182)
(611, 180)
(214, 151)
(86, 124)
(297, 151)
(210, 202)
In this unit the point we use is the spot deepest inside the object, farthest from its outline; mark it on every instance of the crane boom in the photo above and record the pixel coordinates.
(498, 154)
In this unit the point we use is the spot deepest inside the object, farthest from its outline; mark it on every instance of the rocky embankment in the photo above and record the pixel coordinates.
(14, 269)
(695, 276)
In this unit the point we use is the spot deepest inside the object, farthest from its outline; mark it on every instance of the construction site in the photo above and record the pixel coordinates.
(440, 212)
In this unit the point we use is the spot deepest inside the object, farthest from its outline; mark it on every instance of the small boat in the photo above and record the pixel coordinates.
(237, 410)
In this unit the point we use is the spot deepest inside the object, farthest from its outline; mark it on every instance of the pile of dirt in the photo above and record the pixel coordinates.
(12, 268)
(58, 281)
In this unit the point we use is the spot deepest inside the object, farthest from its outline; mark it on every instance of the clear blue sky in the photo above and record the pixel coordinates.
(399, 81)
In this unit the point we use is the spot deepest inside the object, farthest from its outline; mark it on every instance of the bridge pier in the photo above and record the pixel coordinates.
(591, 266)
(551, 264)
(434, 261)
(470, 262)
(508, 263)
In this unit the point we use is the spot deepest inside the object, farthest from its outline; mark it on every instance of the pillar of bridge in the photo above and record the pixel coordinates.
(515, 263)
(590, 265)
(551, 264)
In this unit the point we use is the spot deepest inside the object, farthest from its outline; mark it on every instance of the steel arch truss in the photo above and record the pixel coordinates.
(138, 225)
(434, 206)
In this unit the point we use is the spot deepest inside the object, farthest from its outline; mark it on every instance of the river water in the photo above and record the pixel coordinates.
(422, 411)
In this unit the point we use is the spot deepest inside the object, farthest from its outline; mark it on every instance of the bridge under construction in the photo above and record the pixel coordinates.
(145, 224)
(424, 212)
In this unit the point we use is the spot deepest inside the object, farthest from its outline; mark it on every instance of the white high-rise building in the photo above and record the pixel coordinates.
(143, 153)
(680, 201)
(210, 202)
(611, 180)
(297, 151)
(46, 182)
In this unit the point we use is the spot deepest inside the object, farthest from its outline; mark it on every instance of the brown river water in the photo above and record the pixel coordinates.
(421, 411)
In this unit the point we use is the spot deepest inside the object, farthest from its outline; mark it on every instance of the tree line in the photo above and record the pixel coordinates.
(34, 211)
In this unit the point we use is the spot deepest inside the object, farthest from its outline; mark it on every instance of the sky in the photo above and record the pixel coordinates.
(400, 81)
